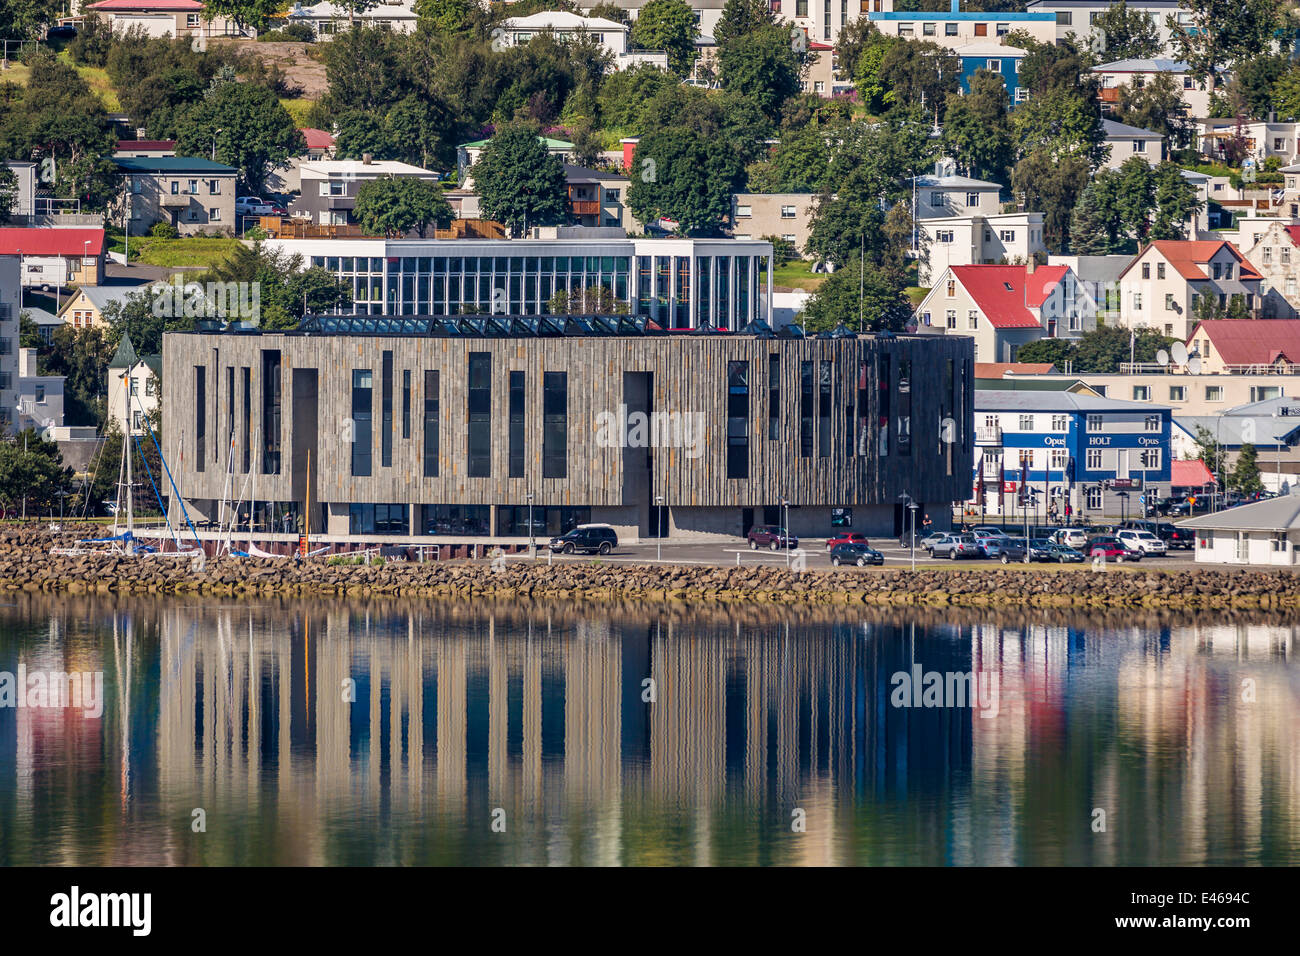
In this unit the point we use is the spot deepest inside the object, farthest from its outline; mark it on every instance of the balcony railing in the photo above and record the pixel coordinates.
(988, 435)
(177, 200)
(585, 207)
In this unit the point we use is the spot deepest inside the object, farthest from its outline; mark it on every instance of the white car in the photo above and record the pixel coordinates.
(1070, 537)
(1143, 541)
(253, 206)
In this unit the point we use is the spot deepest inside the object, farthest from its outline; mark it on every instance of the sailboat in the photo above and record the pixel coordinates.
(253, 550)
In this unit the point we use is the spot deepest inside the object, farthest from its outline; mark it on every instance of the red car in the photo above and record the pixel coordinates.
(847, 537)
(1111, 547)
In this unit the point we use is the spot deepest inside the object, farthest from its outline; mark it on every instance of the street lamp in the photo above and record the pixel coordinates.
(1123, 506)
(912, 506)
(214, 144)
(785, 527)
(659, 528)
(532, 543)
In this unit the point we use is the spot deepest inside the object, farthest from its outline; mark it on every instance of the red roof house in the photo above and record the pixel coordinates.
(1238, 342)
(81, 252)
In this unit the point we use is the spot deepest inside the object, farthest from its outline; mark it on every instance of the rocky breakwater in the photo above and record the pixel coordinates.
(27, 565)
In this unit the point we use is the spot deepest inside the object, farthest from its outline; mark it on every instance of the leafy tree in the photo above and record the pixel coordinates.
(250, 128)
(518, 181)
(82, 356)
(742, 17)
(1158, 106)
(416, 131)
(623, 97)
(1095, 228)
(1176, 203)
(1245, 473)
(869, 76)
(24, 19)
(32, 472)
(361, 132)
(854, 38)
(1049, 67)
(1055, 351)
(799, 163)
(595, 300)
(1061, 122)
(850, 292)
(1220, 34)
(136, 316)
(1210, 451)
(609, 11)
(449, 16)
(977, 129)
(1052, 185)
(366, 69)
(1104, 349)
(286, 289)
(1124, 34)
(667, 25)
(1286, 96)
(919, 74)
(394, 206)
(246, 13)
(761, 65)
(685, 176)
(313, 290)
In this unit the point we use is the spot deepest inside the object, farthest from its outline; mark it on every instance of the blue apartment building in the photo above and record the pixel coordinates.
(996, 58)
(1099, 456)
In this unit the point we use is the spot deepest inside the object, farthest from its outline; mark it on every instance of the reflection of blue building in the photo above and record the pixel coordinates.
(1079, 449)
(995, 58)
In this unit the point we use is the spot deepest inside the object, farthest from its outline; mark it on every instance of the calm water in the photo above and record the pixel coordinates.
(397, 733)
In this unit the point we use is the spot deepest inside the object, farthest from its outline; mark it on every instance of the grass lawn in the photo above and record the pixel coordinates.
(915, 294)
(298, 110)
(96, 78)
(797, 274)
(201, 251)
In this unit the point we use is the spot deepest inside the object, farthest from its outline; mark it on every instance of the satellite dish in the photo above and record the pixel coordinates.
(1194, 366)
(1178, 352)
(1162, 358)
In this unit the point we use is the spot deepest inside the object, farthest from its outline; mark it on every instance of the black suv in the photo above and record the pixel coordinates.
(1171, 535)
(587, 539)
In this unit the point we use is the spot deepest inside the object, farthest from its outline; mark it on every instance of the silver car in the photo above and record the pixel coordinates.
(954, 546)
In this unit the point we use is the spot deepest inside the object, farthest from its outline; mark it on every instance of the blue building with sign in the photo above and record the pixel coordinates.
(996, 58)
(1067, 454)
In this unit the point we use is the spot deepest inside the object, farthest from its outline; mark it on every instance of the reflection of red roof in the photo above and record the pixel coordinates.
(51, 242)
(317, 138)
(1250, 341)
(1006, 293)
(1190, 474)
(1188, 256)
(188, 6)
(999, 369)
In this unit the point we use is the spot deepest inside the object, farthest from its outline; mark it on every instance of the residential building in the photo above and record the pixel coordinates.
(955, 27)
(329, 186)
(1078, 17)
(677, 283)
(329, 19)
(1004, 307)
(1162, 287)
(144, 148)
(598, 197)
(996, 58)
(1219, 139)
(707, 12)
(1272, 426)
(1286, 201)
(10, 308)
(554, 422)
(194, 195)
(1136, 73)
(40, 397)
(1275, 254)
(160, 18)
(1266, 533)
(84, 308)
(819, 74)
(467, 155)
(1175, 386)
(133, 390)
(609, 34)
(24, 200)
(53, 258)
(1041, 451)
(320, 143)
(786, 216)
(1127, 141)
(1247, 346)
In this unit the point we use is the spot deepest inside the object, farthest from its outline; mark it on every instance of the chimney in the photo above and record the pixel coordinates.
(366, 159)
(1030, 266)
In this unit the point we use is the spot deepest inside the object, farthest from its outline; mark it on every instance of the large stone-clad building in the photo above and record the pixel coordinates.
(455, 426)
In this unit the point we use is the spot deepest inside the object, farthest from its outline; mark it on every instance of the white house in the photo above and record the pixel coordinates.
(1078, 17)
(1128, 141)
(1263, 533)
(1260, 139)
(1163, 284)
(610, 34)
(1275, 254)
(40, 397)
(1136, 73)
(328, 19)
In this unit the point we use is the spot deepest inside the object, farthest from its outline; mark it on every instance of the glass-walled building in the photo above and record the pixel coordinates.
(677, 283)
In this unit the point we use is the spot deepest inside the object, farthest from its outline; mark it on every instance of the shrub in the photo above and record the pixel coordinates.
(91, 44)
(290, 33)
(164, 230)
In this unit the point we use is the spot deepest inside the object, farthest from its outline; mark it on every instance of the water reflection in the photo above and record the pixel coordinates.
(314, 733)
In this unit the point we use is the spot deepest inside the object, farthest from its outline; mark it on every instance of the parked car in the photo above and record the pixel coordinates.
(1173, 536)
(586, 539)
(1063, 555)
(1003, 548)
(1109, 546)
(954, 546)
(847, 537)
(770, 536)
(1143, 541)
(931, 539)
(1069, 537)
(987, 529)
(254, 206)
(855, 552)
(1040, 549)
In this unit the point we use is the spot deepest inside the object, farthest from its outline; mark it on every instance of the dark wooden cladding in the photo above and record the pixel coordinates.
(689, 376)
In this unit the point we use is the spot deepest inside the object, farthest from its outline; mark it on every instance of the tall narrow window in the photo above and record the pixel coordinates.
(805, 409)
(430, 423)
(864, 406)
(516, 424)
(270, 412)
(386, 400)
(230, 417)
(824, 410)
(774, 396)
(406, 403)
(737, 419)
(362, 424)
(555, 425)
(200, 417)
(480, 414)
(904, 418)
(885, 405)
(246, 374)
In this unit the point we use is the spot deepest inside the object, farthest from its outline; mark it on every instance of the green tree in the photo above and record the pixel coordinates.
(32, 473)
(608, 11)
(1251, 89)
(82, 357)
(919, 74)
(742, 17)
(1158, 106)
(977, 129)
(518, 181)
(8, 192)
(850, 293)
(1105, 348)
(361, 133)
(313, 290)
(449, 16)
(1052, 185)
(1061, 122)
(594, 300)
(667, 25)
(1056, 351)
(1176, 203)
(1219, 34)
(685, 176)
(24, 19)
(1094, 225)
(247, 13)
(1210, 451)
(250, 128)
(762, 65)
(1245, 473)
(1123, 34)
(395, 205)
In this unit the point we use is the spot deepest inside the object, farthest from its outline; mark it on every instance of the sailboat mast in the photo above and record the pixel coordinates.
(126, 456)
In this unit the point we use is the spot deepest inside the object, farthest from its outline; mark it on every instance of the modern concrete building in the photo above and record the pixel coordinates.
(193, 194)
(452, 428)
(10, 308)
(23, 203)
(598, 198)
(955, 27)
(786, 216)
(677, 283)
(329, 186)
(1071, 449)
(1078, 18)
